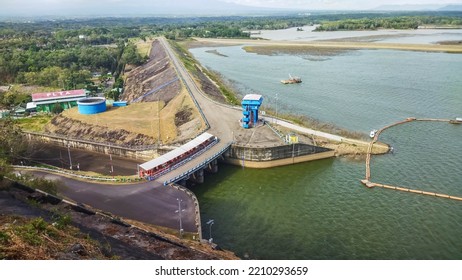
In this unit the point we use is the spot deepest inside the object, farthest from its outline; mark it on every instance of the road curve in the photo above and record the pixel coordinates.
(146, 202)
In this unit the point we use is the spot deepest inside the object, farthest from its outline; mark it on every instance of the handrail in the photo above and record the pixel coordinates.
(204, 163)
(60, 171)
(184, 161)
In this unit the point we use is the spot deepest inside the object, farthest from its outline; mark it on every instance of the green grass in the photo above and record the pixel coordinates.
(34, 124)
(190, 64)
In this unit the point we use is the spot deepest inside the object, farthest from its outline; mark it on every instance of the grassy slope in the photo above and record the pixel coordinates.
(142, 117)
(24, 238)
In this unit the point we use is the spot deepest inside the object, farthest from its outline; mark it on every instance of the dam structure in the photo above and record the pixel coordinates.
(224, 122)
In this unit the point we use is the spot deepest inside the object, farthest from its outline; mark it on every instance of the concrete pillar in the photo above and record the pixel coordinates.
(213, 166)
(198, 176)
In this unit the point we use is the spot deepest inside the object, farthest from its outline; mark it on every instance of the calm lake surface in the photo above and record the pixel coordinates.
(320, 210)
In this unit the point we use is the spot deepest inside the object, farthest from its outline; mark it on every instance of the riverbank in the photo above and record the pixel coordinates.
(328, 46)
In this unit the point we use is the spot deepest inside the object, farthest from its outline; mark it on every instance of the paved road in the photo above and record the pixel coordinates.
(223, 119)
(146, 202)
(318, 133)
(88, 161)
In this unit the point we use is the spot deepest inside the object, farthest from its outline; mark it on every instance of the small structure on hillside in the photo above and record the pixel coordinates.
(291, 138)
(46, 101)
(250, 105)
(92, 105)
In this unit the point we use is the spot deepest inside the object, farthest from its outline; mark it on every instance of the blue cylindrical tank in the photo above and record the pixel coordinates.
(92, 105)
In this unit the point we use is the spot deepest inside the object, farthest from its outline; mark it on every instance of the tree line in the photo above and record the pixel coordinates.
(399, 22)
(65, 53)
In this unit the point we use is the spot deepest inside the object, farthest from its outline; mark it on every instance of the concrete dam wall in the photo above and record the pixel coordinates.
(134, 153)
(266, 157)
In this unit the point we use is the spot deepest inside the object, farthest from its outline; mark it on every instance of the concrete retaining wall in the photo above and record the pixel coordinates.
(256, 157)
(97, 147)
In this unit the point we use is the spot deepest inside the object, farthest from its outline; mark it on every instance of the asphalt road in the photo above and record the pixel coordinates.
(87, 161)
(146, 202)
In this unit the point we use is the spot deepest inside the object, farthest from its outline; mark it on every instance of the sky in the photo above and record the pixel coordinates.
(336, 4)
(67, 7)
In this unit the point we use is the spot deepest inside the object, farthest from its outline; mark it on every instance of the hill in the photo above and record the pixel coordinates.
(420, 7)
(455, 7)
(161, 110)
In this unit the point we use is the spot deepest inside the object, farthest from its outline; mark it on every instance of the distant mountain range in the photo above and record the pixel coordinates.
(133, 8)
(430, 7)
(141, 8)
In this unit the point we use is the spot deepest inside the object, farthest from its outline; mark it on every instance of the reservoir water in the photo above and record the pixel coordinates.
(319, 210)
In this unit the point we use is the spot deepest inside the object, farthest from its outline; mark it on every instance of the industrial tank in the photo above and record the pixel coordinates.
(92, 105)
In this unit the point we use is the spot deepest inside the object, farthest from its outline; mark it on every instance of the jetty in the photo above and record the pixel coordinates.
(367, 181)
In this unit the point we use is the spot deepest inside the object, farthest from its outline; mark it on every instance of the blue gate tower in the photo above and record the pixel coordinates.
(250, 105)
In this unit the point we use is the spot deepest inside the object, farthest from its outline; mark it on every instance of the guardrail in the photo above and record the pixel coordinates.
(204, 163)
(196, 207)
(151, 178)
(61, 171)
(276, 131)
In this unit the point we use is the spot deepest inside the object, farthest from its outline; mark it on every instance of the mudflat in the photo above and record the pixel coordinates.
(333, 45)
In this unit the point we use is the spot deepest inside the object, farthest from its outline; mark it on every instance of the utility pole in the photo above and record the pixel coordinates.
(179, 214)
(112, 166)
(69, 152)
(158, 116)
(277, 101)
(210, 223)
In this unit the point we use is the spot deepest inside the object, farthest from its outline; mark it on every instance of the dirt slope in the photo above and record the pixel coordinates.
(62, 125)
(151, 76)
(63, 231)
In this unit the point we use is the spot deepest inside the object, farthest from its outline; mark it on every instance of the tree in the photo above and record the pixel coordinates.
(12, 143)
(57, 109)
(131, 55)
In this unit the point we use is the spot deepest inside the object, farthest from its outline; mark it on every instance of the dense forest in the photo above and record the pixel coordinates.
(66, 54)
(399, 22)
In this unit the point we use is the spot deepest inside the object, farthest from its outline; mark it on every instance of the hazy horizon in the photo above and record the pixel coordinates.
(197, 7)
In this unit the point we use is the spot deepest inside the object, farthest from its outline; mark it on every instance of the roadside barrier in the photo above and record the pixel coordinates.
(202, 165)
(79, 176)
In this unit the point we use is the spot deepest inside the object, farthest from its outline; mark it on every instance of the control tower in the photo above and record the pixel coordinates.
(250, 105)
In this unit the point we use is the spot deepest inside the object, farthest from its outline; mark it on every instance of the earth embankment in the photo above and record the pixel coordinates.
(156, 75)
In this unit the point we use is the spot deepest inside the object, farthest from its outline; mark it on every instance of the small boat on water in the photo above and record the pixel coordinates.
(456, 121)
(292, 80)
(373, 132)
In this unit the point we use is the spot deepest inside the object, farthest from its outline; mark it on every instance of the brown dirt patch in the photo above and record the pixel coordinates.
(295, 50)
(154, 74)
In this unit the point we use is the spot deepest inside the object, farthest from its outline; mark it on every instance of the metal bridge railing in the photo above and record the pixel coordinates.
(204, 163)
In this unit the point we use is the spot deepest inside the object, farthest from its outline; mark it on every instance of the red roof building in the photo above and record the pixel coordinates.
(45, 101)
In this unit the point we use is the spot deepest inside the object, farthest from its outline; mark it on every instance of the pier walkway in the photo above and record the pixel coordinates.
(367, 181)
